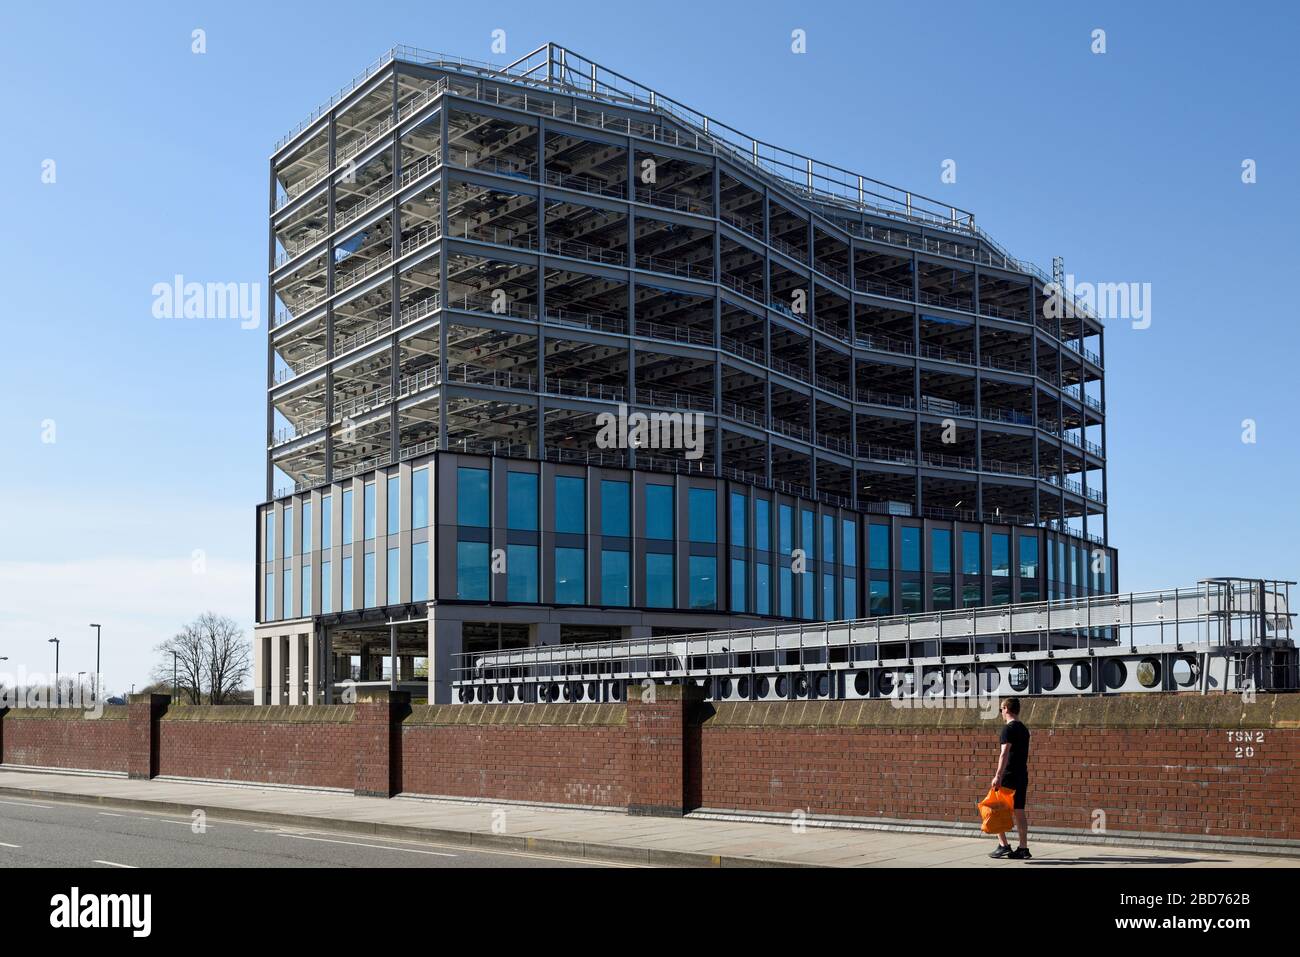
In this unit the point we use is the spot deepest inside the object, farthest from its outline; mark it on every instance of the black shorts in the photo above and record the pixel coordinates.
(1020, 787)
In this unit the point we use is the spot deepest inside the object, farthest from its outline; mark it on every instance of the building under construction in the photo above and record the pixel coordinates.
(482, 276)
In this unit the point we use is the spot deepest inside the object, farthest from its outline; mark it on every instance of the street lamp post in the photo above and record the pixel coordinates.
(55, 643)
(95, 685)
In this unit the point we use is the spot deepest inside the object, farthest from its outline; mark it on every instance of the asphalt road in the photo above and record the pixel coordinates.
(55, 834)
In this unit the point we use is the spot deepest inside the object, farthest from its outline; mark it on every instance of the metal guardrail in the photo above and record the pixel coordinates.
(1225, 633)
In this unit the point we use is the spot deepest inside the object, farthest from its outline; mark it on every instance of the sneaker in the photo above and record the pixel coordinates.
(1004, 850)
(1020, 854)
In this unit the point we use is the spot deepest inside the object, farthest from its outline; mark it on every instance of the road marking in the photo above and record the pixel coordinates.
(106, 814)
(115, 864)
(590, 862)
(380, 847)
(3, 844)
(26, 804)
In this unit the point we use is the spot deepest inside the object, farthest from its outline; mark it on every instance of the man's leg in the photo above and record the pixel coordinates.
(1022, 827)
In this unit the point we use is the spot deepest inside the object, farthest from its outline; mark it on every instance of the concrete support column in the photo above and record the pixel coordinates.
(546, 633)
(259, 670)
(295, 669)
(277, 669)
(313, 668)
(444, 642)
(377, 724)
(143, 712)
(394, 670)
(658, 720)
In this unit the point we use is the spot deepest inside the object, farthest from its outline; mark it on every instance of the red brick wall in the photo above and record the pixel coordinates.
(53, 740)
(1167, 764)
(1174, 780)
(311, 753)
(561, 764)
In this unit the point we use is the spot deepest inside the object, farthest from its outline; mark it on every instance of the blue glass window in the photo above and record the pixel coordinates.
(268, 597)
(326, 588)
(1028, 557)
(369, 518)
(268, 535)
(785, 534)
(521, 502)
(659, 580)
(614, 574)
(738, 516)
(850, 598)
(703, 581)
(472, 497)
(287, 537)
(738, 585)
(368, 581)
(420, 571)
(394, 576)
(786, 579)
(394, 504)
(807, 531)
(703, 519)
(849, 542)
(972, 596)
(306, 528)
(910, 548)
(880, 603)
(970, 553)
(878, 546)
(828, 538)
(910, 592)
(347, 517)
(1001, 543)
(659, 511)
(614, 513)
(808, 581)
(348, 593)
(762, 588)
(941, 551)
(327, 521)
(305, 591)
(570, 504)
(828, 597)
(570, 576)
(472, 569)
(762, 524)
(420, 498)
(521, 573)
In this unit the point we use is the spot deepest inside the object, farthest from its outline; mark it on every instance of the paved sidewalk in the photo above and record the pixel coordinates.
(598, 835)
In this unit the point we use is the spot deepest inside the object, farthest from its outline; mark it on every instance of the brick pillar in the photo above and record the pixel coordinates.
(658, 719)
(143, 712)
(377, 726)
(4, 710)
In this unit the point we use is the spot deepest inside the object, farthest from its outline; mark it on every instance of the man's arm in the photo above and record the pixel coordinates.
(1003, 757)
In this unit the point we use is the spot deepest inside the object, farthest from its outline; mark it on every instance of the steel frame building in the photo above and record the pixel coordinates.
(471, 265)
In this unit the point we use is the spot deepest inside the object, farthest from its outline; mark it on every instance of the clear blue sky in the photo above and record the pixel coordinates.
(1127, 164)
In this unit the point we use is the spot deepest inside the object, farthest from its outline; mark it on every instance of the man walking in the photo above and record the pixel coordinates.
(1013, 772)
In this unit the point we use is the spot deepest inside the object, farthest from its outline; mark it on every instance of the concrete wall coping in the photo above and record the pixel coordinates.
(110, 713)
(1155, 710)
(527, 715)
(264, 714)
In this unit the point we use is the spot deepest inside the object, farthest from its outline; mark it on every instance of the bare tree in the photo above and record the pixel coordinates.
(211, 658)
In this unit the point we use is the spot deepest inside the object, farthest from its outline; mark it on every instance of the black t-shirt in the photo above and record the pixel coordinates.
(1016, 734)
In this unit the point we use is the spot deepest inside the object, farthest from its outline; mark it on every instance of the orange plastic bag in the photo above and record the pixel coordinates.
(995, 811)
